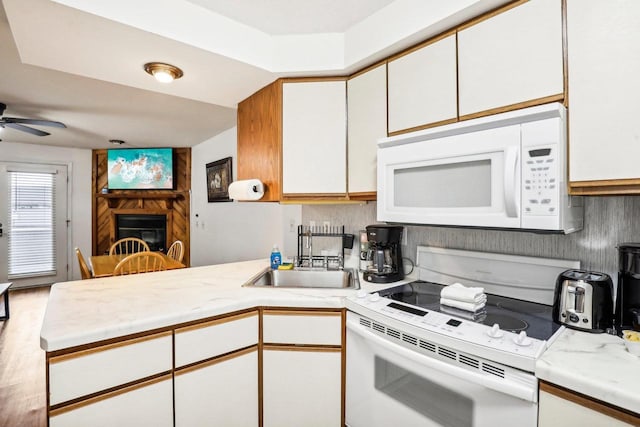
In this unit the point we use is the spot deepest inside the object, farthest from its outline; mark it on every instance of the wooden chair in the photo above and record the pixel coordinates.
(128, 245)
(140, 262)
(85, 271)
(176, 251)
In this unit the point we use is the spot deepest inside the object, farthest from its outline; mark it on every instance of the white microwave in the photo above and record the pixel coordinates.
(503, 171)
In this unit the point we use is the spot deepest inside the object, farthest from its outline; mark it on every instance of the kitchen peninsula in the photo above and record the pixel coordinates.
(125, 346)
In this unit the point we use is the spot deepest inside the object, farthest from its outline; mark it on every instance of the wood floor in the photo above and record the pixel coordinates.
(22, 367)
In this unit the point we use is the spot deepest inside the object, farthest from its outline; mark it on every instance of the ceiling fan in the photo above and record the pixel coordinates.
(19, 124)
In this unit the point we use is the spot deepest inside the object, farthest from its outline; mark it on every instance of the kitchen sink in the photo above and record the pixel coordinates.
(306, 278)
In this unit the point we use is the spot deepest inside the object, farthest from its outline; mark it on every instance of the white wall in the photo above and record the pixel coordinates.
(78, 162)
(234, 231)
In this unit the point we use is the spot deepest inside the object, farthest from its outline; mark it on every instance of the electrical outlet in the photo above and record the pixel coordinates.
(292, 225)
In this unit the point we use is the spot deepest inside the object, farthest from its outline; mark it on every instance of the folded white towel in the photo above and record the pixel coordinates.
(468, 306)
(462, 293)
(476, 316)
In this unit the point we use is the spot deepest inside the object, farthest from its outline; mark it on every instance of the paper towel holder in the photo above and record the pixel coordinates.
(249, 189)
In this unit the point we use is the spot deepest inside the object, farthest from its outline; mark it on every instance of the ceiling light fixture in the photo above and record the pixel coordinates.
(116, 141)
(164, 73)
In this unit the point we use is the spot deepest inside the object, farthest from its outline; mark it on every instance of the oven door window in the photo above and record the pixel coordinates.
(428, 398)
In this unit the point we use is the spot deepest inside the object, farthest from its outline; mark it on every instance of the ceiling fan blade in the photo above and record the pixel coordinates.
(33, 122)
(27, 129)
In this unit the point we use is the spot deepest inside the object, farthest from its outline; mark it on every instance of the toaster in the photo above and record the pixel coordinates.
(584, 300)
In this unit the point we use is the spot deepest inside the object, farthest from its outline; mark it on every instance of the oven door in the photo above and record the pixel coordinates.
(390, 385)
(470, 179)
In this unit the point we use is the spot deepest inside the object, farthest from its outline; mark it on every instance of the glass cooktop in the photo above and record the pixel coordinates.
(511, 314)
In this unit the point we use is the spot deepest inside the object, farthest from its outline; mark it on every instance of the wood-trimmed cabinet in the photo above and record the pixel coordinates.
(216, 372)
(367, 122)
(292, 136)
(512, 59)
(559, 406)
(122, 383)
(217, 369)
(314, 139)
(602, 43)
(303, 368)
(423, 88)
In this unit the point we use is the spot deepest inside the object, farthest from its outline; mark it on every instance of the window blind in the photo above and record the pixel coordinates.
(32, 236)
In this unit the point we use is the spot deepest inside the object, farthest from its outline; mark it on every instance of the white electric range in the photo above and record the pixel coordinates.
(412, 361)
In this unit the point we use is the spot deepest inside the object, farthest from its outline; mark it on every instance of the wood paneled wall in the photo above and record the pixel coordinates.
(172, 203)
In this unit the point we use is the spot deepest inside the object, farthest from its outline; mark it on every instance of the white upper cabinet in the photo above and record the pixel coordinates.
(314, 137)
(513, 57)
(422, 86)
(604, 134)
(367, 112)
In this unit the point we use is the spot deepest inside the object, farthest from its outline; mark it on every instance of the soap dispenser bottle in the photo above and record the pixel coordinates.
(276, 258)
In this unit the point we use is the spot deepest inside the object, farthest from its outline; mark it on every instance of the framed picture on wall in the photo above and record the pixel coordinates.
(218, 179)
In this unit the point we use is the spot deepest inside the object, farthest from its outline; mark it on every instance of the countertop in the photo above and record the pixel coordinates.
(596, 365)
(87, 311)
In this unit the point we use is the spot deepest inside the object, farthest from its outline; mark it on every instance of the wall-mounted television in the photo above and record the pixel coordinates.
(140, 169)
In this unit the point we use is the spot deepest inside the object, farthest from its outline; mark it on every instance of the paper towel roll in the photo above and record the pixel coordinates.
(248, 189)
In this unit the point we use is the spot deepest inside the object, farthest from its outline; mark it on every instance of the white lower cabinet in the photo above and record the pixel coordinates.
(554, 410)
(146, 404)
(302, 387)
(219, 393)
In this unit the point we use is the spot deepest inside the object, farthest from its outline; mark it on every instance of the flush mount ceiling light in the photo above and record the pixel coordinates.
(116, 141)
(164, 73)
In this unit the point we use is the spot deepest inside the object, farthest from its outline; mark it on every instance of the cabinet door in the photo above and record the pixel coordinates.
(603, 38)
(422, 86)
(223, 392)
(367, 113)
(302, 387)
(146, 404)
(556, 411)
(314, 138)
(511, 58)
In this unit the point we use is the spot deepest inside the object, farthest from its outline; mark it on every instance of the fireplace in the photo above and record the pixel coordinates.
(150, 228)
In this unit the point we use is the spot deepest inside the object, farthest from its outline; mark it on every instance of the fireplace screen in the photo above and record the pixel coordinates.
(150, 228)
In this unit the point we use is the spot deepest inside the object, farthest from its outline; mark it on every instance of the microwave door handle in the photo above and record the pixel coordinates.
(510, 175)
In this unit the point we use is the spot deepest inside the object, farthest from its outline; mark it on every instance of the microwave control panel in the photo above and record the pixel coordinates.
(540, 180)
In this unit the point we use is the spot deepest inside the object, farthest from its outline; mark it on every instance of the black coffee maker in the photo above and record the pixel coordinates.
(627, 314)
(385, 252)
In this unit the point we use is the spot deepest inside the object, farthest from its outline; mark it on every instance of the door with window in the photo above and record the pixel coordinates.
(33, 214)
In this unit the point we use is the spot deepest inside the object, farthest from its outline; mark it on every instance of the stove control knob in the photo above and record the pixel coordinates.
(522, 339)
(361, 294)
(495, 331)
(374, 297)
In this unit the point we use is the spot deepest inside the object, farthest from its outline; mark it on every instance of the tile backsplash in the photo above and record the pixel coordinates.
(608, 221)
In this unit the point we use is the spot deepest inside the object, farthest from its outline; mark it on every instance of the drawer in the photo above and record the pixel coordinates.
(89, 371)
(146, 404)
(205, 340)
(302, 327)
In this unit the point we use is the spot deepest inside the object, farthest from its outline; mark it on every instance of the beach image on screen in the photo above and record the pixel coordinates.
(143, 168)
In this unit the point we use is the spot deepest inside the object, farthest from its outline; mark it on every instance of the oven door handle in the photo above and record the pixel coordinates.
(502, 385)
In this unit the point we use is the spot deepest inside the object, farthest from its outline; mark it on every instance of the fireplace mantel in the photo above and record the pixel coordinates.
(168, 198)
